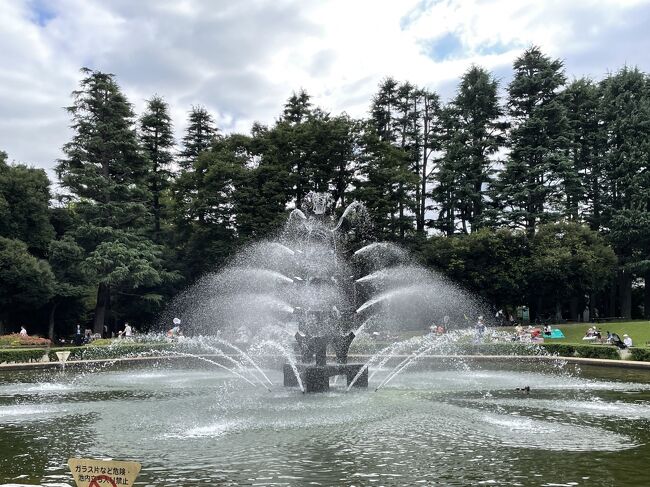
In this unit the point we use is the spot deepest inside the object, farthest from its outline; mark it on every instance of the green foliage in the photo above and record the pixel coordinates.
(157, 141)
(549, 160)
(18, 340)
(107, 173)
(24, 199)
(473, 132)
(493, 264)
(21, 356)
(626, 212)
(530, 189)
(582, 351)
(568, 260)
(25, 281)
(640, 354)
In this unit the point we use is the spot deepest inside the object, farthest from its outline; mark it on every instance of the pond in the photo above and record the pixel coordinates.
(433, 425)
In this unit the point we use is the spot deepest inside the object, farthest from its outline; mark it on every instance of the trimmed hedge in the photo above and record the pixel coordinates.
(87, 352)
(563, 350)
(640, 354)
(583, 351)
(91, 352)
(21, 355)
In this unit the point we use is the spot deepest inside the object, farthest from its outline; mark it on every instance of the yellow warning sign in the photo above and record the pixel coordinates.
(100, 473)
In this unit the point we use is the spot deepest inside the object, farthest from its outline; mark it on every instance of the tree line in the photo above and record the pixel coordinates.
(537, 196)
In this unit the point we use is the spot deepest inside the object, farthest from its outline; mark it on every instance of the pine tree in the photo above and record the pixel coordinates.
(529, 191)
(626, 206)
(403, 137)
(473, 133)
(584, 192)
(199, 136)
(107, 176)
(157, 141)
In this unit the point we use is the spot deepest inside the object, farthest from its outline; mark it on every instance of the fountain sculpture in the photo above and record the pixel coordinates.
(309, 293)
(323, 324)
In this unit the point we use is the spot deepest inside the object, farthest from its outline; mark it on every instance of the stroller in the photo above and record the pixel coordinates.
(616, 340)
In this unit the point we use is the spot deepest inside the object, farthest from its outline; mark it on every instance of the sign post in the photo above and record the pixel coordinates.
(63, 357)
(88, 472)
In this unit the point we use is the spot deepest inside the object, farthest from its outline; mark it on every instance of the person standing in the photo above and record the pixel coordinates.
(23, 331)
(480, 328)
(128, 331)
(78, 336)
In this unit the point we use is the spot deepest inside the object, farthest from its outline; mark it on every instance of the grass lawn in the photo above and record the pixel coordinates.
(639, 331)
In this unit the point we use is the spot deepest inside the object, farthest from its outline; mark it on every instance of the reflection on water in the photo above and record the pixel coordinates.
(446, 427)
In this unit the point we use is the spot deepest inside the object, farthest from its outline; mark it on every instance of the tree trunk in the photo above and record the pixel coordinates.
(592, 305)
(573, 309)
(423, 175)
(611, 302)
(50, 328)
(103, 301)
(625, 293)
(646, 297)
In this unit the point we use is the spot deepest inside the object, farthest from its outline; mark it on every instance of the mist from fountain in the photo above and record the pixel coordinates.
(324, 278)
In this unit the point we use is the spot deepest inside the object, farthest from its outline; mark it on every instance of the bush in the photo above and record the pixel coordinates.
(17, 340)
(583, 351)
(115, 350)
(560, 349)
(87, 352)
(21, 356)
(640, 354)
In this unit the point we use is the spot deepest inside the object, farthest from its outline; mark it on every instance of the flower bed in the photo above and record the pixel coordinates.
(18, 340)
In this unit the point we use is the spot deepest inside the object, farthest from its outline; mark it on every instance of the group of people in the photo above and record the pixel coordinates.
(532, 333)
(593, 334)
(439, 329)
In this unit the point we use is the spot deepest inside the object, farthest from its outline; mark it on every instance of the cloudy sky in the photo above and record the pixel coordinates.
(242, 59)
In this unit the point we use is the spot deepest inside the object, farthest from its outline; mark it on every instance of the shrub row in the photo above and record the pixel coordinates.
(583, 351)
(563, 350)
(640, 354)
(21, 355)
(88, 352)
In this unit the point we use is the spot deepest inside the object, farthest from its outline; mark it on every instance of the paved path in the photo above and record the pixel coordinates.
(625, 364)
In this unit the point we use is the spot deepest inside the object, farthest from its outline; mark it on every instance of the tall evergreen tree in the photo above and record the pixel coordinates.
(626, 210)
(107, 176)
(584, 193)
(404, 122)
(199, 136)
(382, 181)
(474, 132)
(530, 189)
(157, 141)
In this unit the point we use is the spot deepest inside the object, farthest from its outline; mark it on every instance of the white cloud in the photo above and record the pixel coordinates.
(243, 59)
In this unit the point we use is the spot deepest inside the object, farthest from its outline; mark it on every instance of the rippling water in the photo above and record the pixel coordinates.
(429, 426)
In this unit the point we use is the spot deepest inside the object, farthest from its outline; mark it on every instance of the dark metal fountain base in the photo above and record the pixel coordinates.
(316, 378)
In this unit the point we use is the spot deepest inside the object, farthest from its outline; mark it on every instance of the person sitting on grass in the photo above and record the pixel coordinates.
(627, 340)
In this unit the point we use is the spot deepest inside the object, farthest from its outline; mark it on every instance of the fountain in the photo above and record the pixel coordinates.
(310, 291)
(321, 300)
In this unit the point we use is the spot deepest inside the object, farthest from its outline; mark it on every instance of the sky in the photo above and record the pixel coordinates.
(243, 59)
